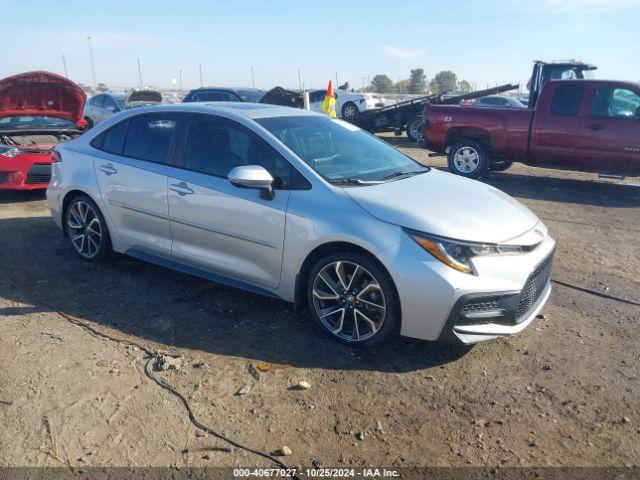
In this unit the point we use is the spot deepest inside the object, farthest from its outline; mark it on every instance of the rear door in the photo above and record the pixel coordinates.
(554, 131)
(609, 132)
(131, 166)
(215, 225)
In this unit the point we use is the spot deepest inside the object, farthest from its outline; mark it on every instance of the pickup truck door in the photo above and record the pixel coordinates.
(554, 128)
(609, 132)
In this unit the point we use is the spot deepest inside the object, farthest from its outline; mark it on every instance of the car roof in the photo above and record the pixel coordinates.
(244, 109)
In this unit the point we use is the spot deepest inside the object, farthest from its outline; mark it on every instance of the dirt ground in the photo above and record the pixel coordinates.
(565, 392)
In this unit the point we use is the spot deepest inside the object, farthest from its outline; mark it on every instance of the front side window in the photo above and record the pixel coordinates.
(339, 151)
(109, 103)
(615, 103)
(216, 146)
(566, 100)
(149, 137)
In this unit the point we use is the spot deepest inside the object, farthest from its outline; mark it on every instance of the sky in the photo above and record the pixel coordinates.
(483, 41)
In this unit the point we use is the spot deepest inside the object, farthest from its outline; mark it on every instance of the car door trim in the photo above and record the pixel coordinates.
(126, 206)
(224, 232)
(189, 269)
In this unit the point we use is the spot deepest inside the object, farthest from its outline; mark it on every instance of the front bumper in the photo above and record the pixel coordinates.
(484, 316)
(437, 302)
(20, 173)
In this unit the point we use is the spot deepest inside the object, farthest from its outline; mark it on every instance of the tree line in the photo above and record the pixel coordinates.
(443, 82)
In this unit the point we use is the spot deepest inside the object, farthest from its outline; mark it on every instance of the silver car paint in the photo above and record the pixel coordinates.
(265, 242)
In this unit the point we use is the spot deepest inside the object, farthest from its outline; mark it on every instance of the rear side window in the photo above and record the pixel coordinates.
(566, 100)
(214, 97)
(97, 100)
(615, 103)
(112, 140)
(149, 138)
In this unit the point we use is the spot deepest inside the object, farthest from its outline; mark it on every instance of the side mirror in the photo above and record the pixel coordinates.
(253, 176)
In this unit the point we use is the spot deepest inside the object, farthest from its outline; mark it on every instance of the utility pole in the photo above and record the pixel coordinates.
(200, 67)
(336, 79)
(140, 73)
(180, 76)
(299, 80)
(64, 64)
(93, 66)
(253, 80)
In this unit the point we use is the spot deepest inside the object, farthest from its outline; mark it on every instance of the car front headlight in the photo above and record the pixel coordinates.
(458, 254)
(9, 152)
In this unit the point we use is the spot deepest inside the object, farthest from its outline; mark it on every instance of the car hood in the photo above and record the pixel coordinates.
(446, 205)
(41, 93)
(139, 98)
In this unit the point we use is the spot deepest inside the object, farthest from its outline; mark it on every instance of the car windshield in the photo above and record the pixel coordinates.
(341, 152)
(120, 101)
(34, 121)
(253, 96)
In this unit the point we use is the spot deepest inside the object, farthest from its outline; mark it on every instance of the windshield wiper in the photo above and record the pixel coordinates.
(354, 181)
(398, 173)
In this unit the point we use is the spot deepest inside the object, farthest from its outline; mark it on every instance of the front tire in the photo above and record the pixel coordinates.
(86, 229)
(468, 158)
(350, 111)
(353, 300)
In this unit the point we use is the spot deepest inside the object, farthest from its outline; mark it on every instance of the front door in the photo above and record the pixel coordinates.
(609, 135)
(132, 164)
(215, 225)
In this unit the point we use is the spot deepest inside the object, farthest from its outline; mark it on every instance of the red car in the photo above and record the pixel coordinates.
(38, 110)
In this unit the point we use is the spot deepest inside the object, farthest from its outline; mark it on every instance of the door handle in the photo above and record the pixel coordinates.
(595, 127)
(181, 189)
(108, 169)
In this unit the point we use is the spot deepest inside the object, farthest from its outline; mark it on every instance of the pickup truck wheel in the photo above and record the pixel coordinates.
(468, 158)
(414, 129)
(500, 166)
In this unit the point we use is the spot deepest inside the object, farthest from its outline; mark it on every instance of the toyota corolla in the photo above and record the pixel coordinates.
(309, 209)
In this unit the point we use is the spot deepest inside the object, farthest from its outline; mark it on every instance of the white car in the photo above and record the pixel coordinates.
(310, 209)
(348, 104)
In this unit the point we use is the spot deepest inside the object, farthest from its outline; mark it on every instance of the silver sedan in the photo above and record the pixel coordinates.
(309, 209)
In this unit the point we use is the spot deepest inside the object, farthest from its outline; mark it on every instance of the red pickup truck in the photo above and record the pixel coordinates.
(578, 124)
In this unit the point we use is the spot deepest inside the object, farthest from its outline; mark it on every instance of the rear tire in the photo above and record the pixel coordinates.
(414, 129)
(87, 229)
(468, 158)
(353, 300)
(500, 166)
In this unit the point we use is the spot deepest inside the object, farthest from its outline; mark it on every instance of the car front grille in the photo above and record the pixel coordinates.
(534, 287)
(4, 177)
(39, 173)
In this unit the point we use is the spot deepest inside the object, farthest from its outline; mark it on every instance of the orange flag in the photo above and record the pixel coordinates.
(329, 103)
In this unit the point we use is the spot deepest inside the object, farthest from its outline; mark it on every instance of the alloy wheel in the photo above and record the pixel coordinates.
(349, 301)
(85, 229)
(466, 159)
(350, 112)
